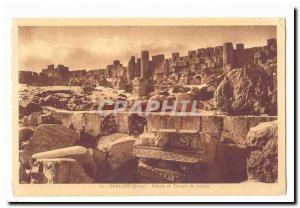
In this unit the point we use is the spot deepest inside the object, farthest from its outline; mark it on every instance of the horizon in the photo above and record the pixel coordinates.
(82, 47)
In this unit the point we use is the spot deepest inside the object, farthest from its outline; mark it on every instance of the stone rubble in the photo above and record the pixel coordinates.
(64, 139)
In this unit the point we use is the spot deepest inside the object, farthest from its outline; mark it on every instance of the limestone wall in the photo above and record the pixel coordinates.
(226, 129)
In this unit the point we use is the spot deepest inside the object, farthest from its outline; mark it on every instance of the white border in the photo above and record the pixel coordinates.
(135, 8)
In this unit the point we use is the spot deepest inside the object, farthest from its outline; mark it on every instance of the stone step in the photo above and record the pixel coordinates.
(192, 157)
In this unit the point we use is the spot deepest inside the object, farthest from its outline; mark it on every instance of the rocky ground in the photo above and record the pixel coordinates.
(53, 152)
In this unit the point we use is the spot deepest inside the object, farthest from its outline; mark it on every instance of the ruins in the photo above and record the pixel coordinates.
(232, 140)
(144, 75)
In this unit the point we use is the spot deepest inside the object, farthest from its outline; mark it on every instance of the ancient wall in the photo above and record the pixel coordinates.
(181, 69)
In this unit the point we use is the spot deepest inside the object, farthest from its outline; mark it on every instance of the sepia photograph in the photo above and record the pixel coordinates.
(190, 104)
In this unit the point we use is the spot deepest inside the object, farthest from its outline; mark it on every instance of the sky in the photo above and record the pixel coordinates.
(94, 47)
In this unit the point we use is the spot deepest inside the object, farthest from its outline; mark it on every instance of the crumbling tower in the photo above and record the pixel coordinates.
(239, 54)
(137, 72)
(228, 57)
(131, 68)
(145, 64)
(271, 42)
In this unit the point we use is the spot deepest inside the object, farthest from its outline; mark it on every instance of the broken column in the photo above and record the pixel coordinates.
(239, 54)
(137, 72)
(145, 64)
(228, 59)
(131, 68)
(78, 153)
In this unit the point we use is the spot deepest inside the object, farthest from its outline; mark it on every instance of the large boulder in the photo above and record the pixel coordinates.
(262, 164)
(245, 92)
(51, 136)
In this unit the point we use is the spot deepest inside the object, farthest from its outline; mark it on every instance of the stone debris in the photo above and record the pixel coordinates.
(58, 171)
(245, 92)
(65, 138)
(120, 151)
(78, 153)
(47, 119)
(33, 119)
(25, 133)
(262, 164)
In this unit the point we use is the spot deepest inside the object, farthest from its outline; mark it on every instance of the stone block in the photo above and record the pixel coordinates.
(120, 151)
(235, 129)
(51, 136)
(47, 119)
(190, 123)
(78, 153)
(122, 120)
(33, 118)
(262, 164)
(212, 125)
(58, 171)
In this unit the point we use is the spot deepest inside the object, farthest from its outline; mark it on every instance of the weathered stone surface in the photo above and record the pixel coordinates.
(190, 123)
(92, 122)
(25, 109)
(255, 120)
(102, 147)
(23, 176)
(235, 129)
(25, 133)
(60, 170)
(25, 158)
(25, 121)
(157, 121)
(47, 119)
(244, 92)
(89, 121)
(262, 164)
(161, 140)
(212, 125)
(33, 118)
(51, 136)
(122, 120)
(146, 139)
(78, 153)
(57, 100)
(178, 156)
(120, 151)
(260, 134)
(184, 141)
